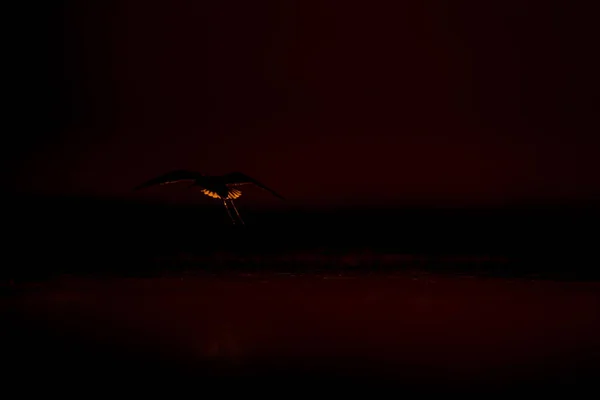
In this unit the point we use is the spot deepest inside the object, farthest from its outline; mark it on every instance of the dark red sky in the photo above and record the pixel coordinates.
(356, 102)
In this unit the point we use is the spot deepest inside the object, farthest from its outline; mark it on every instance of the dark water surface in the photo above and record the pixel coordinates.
(49, 237)
(432, 299)
(421, 330)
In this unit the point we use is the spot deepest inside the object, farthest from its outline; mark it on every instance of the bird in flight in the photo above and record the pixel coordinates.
(223, 187)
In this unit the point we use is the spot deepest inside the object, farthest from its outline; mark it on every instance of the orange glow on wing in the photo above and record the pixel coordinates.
(211, 194)
(233, 194)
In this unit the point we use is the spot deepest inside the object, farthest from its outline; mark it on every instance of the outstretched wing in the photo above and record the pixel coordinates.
(171, 177)
(237, 179)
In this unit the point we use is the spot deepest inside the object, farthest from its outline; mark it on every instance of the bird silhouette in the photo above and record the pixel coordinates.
(223, 187)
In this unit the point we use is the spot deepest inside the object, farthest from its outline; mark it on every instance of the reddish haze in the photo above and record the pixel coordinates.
(329, 101)
(427, 330)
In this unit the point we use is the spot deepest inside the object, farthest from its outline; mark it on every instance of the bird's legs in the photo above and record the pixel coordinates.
(228, 212)
(237, 213)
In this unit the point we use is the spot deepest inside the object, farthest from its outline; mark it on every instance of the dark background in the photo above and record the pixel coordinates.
(454, 137)
(415, 127)
(330, 102)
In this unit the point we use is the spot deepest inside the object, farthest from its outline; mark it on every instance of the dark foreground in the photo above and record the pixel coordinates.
(45, 237)
(100, 293)
(413, 330)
